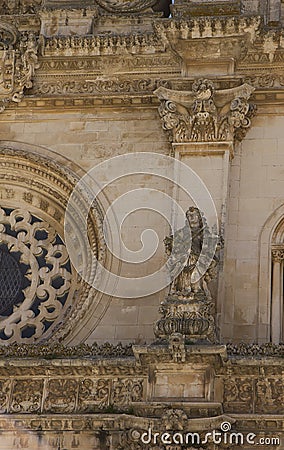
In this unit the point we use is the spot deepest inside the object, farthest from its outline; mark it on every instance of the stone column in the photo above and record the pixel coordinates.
(203, 125)
(277, 295)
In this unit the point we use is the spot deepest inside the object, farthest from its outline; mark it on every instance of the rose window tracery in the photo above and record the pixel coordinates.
(35, 276)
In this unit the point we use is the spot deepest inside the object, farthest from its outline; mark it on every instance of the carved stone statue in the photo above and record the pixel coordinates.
(188, 242)
(192, 263)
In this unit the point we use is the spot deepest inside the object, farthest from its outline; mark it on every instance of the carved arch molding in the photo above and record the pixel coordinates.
(42, 297)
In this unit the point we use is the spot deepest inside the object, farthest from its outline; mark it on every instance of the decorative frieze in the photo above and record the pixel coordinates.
(256, 394)
(58, 350)
(74, 395)
(253, 350)
(98, 87)
(102, 45)
(118, 65)
(206, 8)
(209, 27)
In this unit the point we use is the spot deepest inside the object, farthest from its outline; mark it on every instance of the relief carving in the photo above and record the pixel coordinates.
(5, 389)
(131, 6)
(18, 61)
(61, 396)
(99, 394)
(174, 419)
(278, 254)
(246, 349)
(269, 394)
(103, 87)
(102, 45)
(238, 395)
(126, 391)
(20, 6)
(26, 396)
(205, 114)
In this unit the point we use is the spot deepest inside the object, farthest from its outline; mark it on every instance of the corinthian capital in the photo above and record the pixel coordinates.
(278, 255)
(206, 114)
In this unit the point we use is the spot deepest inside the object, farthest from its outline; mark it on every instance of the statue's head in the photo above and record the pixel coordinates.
(194, 217)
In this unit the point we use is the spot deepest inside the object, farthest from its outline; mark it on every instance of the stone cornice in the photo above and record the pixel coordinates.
(240, 48)
(122, 100)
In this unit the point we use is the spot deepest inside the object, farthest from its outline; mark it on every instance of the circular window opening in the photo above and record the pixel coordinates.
(11, 281)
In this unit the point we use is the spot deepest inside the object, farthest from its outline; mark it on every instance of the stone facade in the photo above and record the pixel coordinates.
(200, 81)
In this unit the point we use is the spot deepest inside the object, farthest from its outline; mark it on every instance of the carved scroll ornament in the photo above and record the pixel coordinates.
(18, 61)
(205, 114)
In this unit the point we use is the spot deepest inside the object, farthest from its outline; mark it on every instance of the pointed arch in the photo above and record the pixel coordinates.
(271, 269)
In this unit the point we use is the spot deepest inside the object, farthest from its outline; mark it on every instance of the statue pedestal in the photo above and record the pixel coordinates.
(194, 381)
(191, 318)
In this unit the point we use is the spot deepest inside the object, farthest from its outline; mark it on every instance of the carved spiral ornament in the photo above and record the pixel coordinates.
(35, 276)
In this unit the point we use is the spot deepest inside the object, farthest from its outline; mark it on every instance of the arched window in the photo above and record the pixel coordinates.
(277, 280)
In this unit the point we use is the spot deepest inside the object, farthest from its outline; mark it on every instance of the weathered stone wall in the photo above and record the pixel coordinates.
(89, 94)
(255, 196)
(106, 403)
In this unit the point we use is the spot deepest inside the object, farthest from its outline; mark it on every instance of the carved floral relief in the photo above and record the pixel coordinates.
(18, 62)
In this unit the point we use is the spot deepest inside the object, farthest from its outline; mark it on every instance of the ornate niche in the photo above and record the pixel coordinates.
(18, 61)
(42, 297)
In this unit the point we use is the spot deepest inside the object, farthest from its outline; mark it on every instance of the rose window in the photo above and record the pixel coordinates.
(35, 276)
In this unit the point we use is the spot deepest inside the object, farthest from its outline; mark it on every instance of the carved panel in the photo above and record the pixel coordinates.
(105, 392)
(126, 391)
(61, 396)
(5, 389)
(20, 6)
(26, 396)
(269, 396)
(238, 395)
